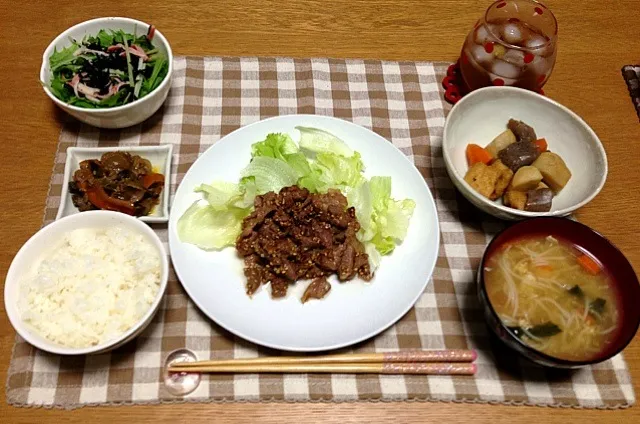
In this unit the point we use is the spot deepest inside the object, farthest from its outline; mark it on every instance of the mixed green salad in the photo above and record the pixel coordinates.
(320, 162)
(112, 68)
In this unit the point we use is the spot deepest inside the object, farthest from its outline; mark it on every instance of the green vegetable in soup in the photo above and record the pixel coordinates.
(547, 329)
(576, 291)
(597, 306)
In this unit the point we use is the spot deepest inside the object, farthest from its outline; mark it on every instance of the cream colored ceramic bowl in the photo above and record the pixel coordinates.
(483, 114)
(40, 243)
(119, 116)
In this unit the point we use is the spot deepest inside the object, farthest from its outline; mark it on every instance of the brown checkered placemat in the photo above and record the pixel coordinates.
(402, 101)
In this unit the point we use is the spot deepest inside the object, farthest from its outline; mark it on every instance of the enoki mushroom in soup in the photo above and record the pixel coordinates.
(553, 296)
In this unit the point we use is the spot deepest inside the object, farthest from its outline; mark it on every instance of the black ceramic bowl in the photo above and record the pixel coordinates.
(619, 268)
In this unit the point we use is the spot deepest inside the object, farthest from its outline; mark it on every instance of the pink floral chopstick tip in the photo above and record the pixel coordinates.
(446, 355)
(426, 368)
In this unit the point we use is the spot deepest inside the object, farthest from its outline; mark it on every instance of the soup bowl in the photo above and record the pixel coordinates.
(618, 268)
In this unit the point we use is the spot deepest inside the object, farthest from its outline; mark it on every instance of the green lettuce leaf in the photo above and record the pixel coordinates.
(384, 245)
(300, 164)
(380, 192)
(270, 174)
(250, 189)
(276, 146)
(361, 199)
(398, 215)
(337, 171)
(317, 140)
(210, 229)
(222, 195)
(281, 146)
(312, 181)
(383, 220)
(118, 37)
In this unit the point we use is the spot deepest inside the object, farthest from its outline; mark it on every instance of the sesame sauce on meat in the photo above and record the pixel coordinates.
(296, 235)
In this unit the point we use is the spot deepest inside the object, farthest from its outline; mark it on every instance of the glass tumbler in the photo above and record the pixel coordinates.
(513, 44)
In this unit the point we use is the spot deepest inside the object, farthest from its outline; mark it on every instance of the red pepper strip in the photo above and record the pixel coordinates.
(99, 198)
(150, 179)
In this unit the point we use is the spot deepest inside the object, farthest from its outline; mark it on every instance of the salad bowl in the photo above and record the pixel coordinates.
(124, 115)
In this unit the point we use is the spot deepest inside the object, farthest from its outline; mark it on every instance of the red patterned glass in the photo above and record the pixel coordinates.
(513, 44)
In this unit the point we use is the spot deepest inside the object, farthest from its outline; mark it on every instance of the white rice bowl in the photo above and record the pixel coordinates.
(86, 283)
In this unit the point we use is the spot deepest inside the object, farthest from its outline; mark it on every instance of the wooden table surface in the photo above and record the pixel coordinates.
(596, 38)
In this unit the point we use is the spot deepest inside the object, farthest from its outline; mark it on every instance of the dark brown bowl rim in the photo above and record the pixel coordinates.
(549, 358)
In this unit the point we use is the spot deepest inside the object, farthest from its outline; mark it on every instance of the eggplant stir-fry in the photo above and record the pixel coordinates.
(118, 181)
(518, 167)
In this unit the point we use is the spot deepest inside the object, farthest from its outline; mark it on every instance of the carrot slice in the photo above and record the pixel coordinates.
(150, 179)
(477, 154)
(541, 145)
(99, 198)
(589, 320)
(589, 264)
(547, 268)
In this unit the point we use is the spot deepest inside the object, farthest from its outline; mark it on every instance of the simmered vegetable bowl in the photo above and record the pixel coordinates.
(112, 68)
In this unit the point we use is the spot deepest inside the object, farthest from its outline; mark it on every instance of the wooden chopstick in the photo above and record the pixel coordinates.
(411, 356)
(423, 368)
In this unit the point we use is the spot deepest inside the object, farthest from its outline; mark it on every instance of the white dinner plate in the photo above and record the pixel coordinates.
(352, 311)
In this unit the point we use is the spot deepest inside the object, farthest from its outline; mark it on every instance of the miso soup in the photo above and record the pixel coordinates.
(555, 297)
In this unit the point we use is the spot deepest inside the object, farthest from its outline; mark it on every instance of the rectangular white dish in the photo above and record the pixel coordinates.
(159, 156)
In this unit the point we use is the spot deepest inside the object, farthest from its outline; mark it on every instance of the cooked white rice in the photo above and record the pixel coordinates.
(91, 287)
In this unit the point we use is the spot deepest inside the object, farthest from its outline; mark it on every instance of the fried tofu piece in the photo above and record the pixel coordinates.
(515, 199)
(518, 199)
(490, 181)
(504, 179)
(482, 178)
